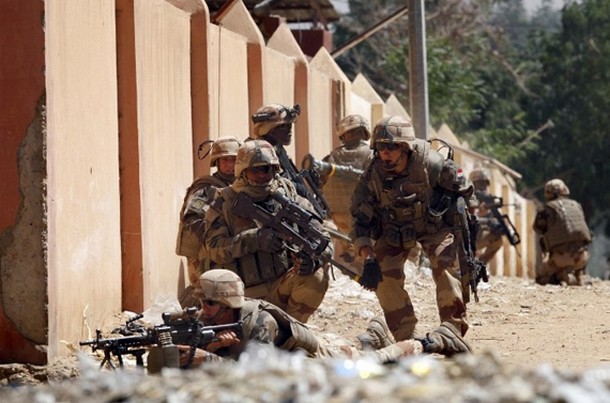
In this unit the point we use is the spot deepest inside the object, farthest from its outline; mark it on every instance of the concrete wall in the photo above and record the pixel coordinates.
(98, 139)
(165, 134)
(84, 249)
(23, 282)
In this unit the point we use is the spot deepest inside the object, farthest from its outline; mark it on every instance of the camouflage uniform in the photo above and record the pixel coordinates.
(273, 123)
(489, 236)
(234, 242)
(355, 152)
(190, 241)
(565, 236)
(391, 212)
(265, 323)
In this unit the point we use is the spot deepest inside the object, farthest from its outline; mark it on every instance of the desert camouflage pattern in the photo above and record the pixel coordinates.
(393, 129)
(562, 221)
(265, 323)
(266, 275)
(223, 147)
(489, 236)
(393, 211)
(338, 190)
(555, 188)
(190, 241)
(565, 237)
(352, 122)
(564, 267)
(222, 286)
(338, 193)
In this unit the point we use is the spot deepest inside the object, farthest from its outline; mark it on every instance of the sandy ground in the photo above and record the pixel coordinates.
(523, 323)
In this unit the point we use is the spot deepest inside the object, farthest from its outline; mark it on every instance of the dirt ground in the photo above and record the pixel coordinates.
(523, 323)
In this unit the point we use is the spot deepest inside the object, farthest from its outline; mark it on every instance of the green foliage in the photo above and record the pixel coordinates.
(574, 85)
(497, 77)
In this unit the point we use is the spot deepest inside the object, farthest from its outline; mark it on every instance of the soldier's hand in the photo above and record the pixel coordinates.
(269, 241)
(371, 274)
(225, 338)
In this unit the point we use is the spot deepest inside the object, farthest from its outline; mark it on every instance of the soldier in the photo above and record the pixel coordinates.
(355, 152)
(273, 123)
(190, 242)
(259, 255)
(222, 300)
(565, 237)
(392, 210)
(489, 236)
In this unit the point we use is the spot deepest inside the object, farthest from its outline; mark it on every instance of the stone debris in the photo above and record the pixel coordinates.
(264, 374)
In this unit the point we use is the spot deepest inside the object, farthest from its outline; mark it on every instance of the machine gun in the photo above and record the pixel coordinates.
(137, 339)
(501, 221)
(324, 168)
(293, 224)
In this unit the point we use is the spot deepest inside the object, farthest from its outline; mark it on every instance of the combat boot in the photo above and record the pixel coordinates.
(377, 335)
(445, 340)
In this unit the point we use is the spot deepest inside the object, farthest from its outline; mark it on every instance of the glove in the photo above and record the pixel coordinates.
(268, 241)
(371, 274)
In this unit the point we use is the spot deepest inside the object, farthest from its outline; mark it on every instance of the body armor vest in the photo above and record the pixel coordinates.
(196, 203)
(338, 190)
(569, 226)
(404, 198)
(259, 267)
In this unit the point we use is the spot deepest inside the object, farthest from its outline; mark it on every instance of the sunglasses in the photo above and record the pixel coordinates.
(263, 169)
(209, 302)
(386, 146)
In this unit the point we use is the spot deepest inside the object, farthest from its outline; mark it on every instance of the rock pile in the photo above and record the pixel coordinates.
(267, 375)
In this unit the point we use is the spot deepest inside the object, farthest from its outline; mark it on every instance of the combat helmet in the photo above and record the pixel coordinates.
(222, 286)
(393, 129)
(254, 153)
(224, 147)
(351, 122)
(479, 175)
(271, 116)
(555, 188)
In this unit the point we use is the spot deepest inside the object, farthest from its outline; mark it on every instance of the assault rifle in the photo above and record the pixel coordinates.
(293, 224)
(183, 328)
(306, 181)
(452, 205)
(501, 221)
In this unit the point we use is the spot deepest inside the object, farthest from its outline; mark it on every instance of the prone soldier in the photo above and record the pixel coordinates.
(222, 300)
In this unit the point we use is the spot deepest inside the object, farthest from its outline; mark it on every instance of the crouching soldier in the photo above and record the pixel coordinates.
(267, 264)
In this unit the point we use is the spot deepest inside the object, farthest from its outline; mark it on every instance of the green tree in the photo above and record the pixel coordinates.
(574, 85)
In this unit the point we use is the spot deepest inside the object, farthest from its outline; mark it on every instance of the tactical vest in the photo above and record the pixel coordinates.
(403, 199)
(338, 190)
(259, 267)
(195, 203)
(569, 225)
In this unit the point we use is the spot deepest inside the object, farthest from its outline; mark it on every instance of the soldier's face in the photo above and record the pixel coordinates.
(282, 134)
(260, 175)
(226, 165)
(392, 156)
